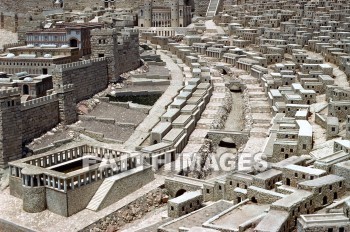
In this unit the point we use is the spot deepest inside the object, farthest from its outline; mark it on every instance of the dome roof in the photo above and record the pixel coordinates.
(10, 55)
(28, 79)
(47, 56)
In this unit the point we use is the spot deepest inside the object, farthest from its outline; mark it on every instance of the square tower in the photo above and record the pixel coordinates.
(10, 126)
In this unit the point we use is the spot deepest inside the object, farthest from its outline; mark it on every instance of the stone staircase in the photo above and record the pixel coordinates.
(100, 195)
(260, 108)
(213, 8)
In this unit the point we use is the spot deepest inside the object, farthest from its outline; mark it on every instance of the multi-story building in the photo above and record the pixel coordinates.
(173, 13)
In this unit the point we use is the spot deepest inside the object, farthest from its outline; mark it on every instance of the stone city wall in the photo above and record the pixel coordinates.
(82, 4)
(127, 55)
(39, 116)
(88, 77)
(21, 7)
(28, 120)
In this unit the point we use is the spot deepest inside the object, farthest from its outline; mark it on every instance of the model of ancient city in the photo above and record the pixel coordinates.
(175, 115)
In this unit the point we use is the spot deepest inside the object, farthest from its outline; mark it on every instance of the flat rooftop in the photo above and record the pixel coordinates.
(324, 180)
(268, 174)
(236, 216)
(293, 199)
(339, 155)
(186, 196)
(305, 128)
(324, 219)
(273, 221)
(308, 170)
(197, 218)
(173, 134)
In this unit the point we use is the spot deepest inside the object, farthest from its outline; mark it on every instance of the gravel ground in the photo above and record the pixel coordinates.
(120, 114)
(142, 88)
(7, 37)
(157, 70)
(235, 120)
(110, 131)
(49, 138)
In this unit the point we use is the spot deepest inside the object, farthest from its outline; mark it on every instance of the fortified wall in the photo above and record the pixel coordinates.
(22, 122)
(89, 77)
(120, 48)
(20, 6)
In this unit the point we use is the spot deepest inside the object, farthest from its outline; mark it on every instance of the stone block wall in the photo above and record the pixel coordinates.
(23, 7)
(120, 48)
(342, 170)
(39, 116)
(10, 126)
(263, 196)
(22, 122)
(81, 4)
(327, 193)
(188, 203)
(174, 186)
(127, 54)
(9, 21)
(88, 77)
(67, 104)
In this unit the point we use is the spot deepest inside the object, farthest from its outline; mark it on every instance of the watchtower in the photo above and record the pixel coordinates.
(104, 44)
(174, 6)
(10, 126)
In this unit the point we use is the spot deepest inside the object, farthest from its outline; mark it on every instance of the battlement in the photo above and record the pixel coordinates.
(103, 32)
(77, 65)
(9, 92)
(39, 101)
(65, 88)
(131, 31)
(12, 45)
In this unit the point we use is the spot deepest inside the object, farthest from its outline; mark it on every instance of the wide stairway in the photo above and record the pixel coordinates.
(100, 195)
(260, 108)
(213, 8)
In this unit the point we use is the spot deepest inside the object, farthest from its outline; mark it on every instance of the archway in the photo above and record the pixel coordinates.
(180, 192)
(73, 43)
(253, 200)
(25, 89)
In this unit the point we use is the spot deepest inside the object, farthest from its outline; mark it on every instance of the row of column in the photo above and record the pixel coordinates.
(165, 33)
(213, 54)
(243, 66)
(56, 158)
(161, 20)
